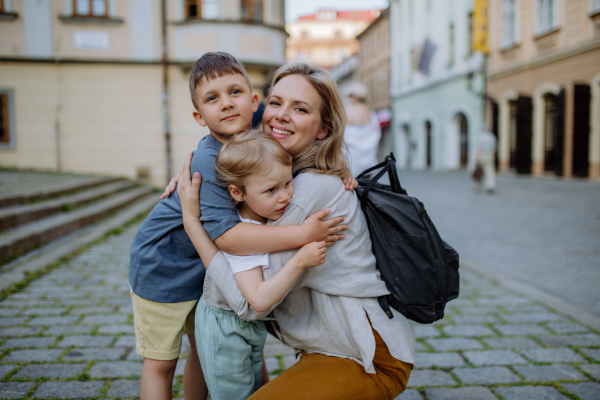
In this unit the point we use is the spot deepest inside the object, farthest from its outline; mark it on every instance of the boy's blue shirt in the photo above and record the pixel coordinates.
(164, 265)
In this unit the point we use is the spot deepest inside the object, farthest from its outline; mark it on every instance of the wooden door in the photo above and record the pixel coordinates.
(581, 130)
(524, 134)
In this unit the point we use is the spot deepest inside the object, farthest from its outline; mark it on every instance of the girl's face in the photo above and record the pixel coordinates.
(293, 114)
(267, 194)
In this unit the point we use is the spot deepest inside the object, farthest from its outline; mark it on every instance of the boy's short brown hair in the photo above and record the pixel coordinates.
(212, 65)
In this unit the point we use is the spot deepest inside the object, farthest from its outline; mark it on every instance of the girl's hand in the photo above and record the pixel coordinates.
(311, 255)
(189, 190)
(316, 230)
(350, 182)
(170, 189)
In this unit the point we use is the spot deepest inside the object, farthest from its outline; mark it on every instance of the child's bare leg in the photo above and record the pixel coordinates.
(265, 373)
(194, 386)
(157, 379)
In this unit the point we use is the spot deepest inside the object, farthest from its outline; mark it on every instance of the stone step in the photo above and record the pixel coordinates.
(54, 191)
(29, 236)
(13, 216)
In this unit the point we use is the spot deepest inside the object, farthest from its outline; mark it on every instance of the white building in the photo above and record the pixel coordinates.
(437, 83)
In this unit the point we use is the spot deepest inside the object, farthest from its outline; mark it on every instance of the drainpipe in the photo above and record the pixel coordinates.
(165, 94)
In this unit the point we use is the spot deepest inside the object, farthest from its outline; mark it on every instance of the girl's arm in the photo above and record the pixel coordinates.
(263, 294)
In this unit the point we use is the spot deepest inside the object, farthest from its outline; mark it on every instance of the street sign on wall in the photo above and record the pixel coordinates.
(480, 26)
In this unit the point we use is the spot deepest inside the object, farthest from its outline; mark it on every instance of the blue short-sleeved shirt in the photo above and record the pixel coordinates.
(164, 265)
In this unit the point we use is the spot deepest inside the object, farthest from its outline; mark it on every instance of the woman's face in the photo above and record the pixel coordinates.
(293, 114)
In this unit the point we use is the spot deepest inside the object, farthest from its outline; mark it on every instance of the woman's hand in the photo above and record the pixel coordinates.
(189, 191)
(316, 230)
(350, 182)
(170, 189)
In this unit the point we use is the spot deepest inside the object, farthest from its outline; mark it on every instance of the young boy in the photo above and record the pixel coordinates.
(165, 270)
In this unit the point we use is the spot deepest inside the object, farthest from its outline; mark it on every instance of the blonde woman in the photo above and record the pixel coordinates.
(347, 347)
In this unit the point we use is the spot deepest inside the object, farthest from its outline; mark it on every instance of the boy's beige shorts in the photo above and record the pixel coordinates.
(160, 326)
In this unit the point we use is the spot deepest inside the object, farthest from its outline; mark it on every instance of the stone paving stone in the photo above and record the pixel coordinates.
(523, 329)
(8, 312)
(104, 319)
(110, 354)
(494, 357)
(26, 303)
(22, 331)
(116, 369)
(511, 343)
(6, 368)
(486, 375)
(466, 311)
(465, 393)
(470, 319)
(53, 321)
(80, 303)
(503, 301)
(468, 330)
(44, 311)
(65, 330)
(553, 355)
(550, 373)
(592, 369)
(288, 361)
(529, 393)
(29, 342)
(71, 389)
(124, 388)
(444, 360)
(420, 346)
(133, 356)
(272, 363)
(117, 329)
(410, 394)
(534, 317)
(454, 344)
(125, 341)
(430, 378)
(585, 390)
(567, 328)
(91, 310)
(35, 371)
(422, 331)
(13, 321)
(524, 308)
(86, 341)
(33, 355)
(15, 390)
(571, 340)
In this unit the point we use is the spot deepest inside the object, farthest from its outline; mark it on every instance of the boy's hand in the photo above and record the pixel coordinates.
(311, 255)
(170, 189)
(350, 182)
(316, 230)
(189, 190)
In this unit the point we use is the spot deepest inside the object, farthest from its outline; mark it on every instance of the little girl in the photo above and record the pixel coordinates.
(257, 171)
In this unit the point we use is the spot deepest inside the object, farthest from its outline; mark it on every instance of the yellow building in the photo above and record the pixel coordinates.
(82, 84)
(544, 76)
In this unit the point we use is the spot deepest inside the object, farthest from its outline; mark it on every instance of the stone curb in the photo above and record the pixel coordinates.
(121, 218)
(582, 315)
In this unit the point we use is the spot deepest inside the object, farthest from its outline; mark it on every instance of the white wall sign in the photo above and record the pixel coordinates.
(88, 40)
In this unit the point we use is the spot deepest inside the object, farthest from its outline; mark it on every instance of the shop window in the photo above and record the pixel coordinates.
(509, 23)
(546, 18)
(202, 9)
(90, 8)
(252, 10)
(6, 134)
(595, 6)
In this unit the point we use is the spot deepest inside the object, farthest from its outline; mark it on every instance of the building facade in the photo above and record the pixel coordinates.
(437, 84)
(327, 37)
(82, 83)
(544, 79)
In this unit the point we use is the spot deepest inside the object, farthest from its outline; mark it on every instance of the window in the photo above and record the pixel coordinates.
(202, 9)
(546, 16)
(595, 5)
(6, 134)
(509, 23)
(337, 34)
(304, 34)
(470, 35)
(1, 5)
(451, 45)
(90, 8)
(252, 10)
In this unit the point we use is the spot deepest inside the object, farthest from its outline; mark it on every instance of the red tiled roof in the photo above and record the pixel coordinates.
(367, 15)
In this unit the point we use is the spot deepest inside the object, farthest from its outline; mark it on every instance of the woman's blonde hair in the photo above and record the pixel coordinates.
(248, 153)
(326, 155)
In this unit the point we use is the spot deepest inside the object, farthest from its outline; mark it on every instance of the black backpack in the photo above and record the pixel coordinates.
(419, 269)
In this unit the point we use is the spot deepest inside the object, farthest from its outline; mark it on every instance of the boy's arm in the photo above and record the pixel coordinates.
(261, 294)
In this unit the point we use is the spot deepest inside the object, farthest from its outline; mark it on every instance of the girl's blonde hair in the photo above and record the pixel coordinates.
(325, 156)
(248, 153)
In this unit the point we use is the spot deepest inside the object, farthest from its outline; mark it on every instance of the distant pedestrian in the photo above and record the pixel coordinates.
(485, 156)
(258, 114)
(363, 131)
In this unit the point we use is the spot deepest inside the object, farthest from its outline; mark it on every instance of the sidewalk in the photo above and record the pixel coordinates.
(70, 334)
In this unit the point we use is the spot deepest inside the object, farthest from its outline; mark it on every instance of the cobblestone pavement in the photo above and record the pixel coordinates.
(69, 334)
(24, 181)
(542, 231)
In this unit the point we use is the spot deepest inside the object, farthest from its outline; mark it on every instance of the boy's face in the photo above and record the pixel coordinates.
(225, 105)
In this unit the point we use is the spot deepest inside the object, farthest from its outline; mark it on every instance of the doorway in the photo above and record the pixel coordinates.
(553, 132)
(581, 130)
(428, 144)
(463, 129)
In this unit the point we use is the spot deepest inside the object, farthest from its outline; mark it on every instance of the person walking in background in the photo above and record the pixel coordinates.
(258, 114)
(363, 131)
(485, 156)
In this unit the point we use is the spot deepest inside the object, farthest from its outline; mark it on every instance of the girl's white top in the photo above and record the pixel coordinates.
(362, 142)
(246, 263)
(326, 309)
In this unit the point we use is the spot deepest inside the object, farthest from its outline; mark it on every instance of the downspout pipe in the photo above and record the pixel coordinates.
(165, 94)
